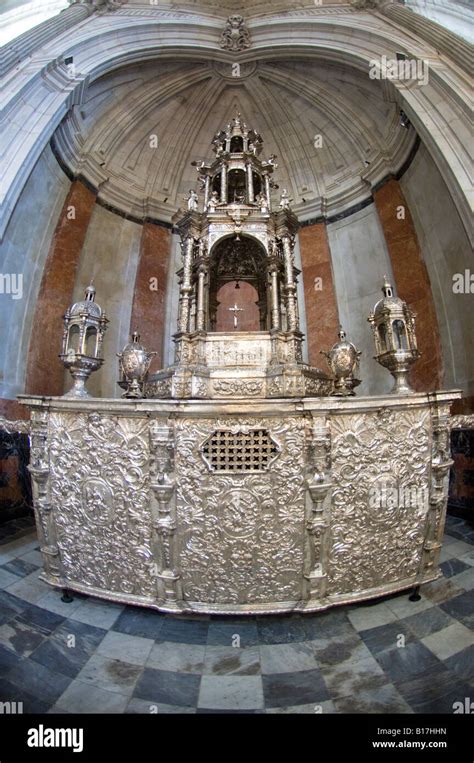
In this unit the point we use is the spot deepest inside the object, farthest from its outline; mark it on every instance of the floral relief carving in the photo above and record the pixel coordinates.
(373, 544)
(100, 498)
(234, 388)
(241, 537)
(225, 511)
(160, 388)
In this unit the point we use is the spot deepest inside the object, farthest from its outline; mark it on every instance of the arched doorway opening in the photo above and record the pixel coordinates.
(237, 186)
(237, 307)
(238, 286)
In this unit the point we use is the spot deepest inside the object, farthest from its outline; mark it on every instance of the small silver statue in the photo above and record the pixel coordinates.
(270, 162)
(84, 327)
(262, 202)
(213, 202)
(134, 364)
(193, 201)
(342, 359)
(285, 199)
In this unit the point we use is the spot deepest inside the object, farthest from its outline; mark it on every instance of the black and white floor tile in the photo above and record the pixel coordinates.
(390, 656)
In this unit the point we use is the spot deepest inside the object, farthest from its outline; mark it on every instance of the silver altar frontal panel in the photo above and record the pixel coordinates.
(238, 506)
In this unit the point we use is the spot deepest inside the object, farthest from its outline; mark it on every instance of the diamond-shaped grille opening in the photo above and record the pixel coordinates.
(250, 451)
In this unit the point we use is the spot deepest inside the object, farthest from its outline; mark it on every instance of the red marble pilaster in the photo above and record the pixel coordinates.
(463, 407)
(12, 410)
(412, 284)
(45, 373)
(322, 317)
(149, 299)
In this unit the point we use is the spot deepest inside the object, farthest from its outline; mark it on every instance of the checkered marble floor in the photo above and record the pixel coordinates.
(95, 656)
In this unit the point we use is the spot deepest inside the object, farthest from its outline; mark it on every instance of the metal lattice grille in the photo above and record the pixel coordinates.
(250, 451)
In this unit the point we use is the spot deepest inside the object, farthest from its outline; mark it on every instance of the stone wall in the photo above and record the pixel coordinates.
(55, 294)
(151, 284)
(23, 252)
(110, 256)
(360, 260)
(446, 251)
(412, 283)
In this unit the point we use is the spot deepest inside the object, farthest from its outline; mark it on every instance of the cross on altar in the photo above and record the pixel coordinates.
(235, 310)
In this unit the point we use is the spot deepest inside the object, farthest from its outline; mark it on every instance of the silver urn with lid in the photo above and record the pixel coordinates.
(134, 362)
(343, 359)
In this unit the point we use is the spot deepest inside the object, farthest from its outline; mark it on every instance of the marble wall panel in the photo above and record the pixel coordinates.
(412, 283)
(447, 254)
(110, 256)
(360, 260)
(23, 253)
(322, 316)
(44, 373)
(149, 299)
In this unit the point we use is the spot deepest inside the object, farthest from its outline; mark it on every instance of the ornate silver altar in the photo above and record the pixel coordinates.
(236, 237)
(244, 480)
(198, 506)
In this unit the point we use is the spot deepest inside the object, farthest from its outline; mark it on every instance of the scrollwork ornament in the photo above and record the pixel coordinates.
(100, 499)
(372, 544)
(100, 6)
(181, 388)
(365, 5)
(244, 550)
(235, 36)
(157, 389)
(462, 422)
(235, 388)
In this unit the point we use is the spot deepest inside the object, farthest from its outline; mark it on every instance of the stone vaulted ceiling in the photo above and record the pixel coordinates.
(108, 140)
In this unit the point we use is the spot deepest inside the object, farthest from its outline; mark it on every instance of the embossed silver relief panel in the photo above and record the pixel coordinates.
(381, 477)
(128, 508)
(248, 352)
(101, 501)
(241, 536)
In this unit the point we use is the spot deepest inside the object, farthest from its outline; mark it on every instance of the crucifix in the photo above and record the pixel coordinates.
(235, 310)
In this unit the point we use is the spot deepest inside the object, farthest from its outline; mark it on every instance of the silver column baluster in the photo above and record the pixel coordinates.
(290, 285)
